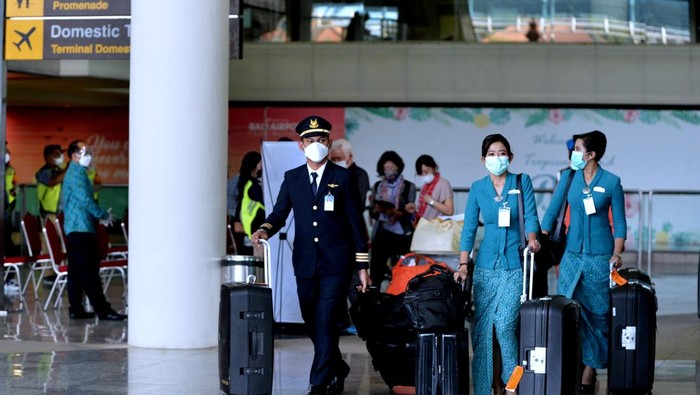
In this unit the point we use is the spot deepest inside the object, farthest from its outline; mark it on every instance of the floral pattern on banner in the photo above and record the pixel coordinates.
(484, 117)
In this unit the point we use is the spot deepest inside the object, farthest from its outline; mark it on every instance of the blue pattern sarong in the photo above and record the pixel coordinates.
(496, 305)
(585, 279)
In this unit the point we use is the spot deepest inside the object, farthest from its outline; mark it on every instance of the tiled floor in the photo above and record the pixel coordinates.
(46, 353)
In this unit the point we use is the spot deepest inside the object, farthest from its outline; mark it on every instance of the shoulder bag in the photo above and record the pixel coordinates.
(552, 246)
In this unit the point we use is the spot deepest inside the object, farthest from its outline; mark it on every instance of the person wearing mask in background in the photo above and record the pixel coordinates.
(591, 245)
(250, 213)
(81, 213)
(11, 285)
(436, 197)
(498, 273)
(392, 209)
(328, 247)
(49, 178)
(341, 155)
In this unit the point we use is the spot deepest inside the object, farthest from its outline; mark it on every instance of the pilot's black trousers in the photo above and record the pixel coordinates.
(319, 299)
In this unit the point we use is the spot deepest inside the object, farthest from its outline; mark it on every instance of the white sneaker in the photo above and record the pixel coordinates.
(11, 287)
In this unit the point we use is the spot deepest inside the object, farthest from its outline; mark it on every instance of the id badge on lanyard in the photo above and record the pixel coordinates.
(504, 216)
(329, 202)
(589, 205)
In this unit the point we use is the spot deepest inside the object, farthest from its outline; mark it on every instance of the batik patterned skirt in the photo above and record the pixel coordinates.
(496, 305)
(585, 279)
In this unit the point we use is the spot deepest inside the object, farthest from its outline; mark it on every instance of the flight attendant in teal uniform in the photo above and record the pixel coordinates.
(591, 245)
(498, 274)
(329, 246)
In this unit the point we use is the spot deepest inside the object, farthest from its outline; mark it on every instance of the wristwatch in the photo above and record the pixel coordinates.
(431, 203)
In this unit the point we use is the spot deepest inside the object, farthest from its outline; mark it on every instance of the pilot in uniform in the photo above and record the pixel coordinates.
(328, 247)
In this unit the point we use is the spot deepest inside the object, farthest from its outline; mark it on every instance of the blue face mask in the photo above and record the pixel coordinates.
(497, 165)
(577, 162)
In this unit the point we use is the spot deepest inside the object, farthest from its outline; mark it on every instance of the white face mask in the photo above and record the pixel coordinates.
(7, 158)
(426, 179)
(497, 164)
(85, 160)
(341, 163)
(316, 152)
(58, 161)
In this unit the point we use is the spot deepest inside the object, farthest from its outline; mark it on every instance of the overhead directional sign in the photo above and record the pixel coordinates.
(67, 39)
(46, 8)
(82, 29)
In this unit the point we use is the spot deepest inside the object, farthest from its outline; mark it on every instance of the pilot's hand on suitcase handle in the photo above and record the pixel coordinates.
(365, 281)
(257, 235)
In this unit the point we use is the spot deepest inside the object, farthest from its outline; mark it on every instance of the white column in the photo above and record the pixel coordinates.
(177, 170)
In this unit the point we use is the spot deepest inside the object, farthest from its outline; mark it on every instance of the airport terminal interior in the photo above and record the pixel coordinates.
(387, 73)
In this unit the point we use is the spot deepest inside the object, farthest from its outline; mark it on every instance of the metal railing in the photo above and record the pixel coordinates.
(643, 243)
(603, 26)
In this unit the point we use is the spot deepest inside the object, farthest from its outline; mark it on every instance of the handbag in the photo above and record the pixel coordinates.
(552, 246)
(434, 301)
(437, 235)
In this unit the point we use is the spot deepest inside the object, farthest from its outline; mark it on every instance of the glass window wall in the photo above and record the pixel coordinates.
(484, 21)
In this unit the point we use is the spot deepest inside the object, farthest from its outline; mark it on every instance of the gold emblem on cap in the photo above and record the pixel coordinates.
(313, 124)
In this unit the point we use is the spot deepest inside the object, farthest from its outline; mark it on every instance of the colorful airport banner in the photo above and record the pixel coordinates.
(48, 8)
(33, 39)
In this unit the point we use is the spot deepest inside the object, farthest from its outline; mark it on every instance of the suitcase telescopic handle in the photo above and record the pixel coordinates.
(612, 282)
(266, 261)
(528, 273)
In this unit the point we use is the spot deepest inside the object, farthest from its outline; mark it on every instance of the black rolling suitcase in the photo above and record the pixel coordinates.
(435, 305)
(442, 364)
(245, 336)
(632, 334)
(550, 342)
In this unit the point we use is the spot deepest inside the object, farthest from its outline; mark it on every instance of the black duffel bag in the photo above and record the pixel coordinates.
(434, 302)
(381, 322)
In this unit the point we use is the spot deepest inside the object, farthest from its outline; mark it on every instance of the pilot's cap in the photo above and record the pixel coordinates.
(313, 126)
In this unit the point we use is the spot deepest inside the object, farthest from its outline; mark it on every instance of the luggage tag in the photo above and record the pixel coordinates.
(504, 216)
(617, 278)
(514, 380)
(329, 202)
(589, 205)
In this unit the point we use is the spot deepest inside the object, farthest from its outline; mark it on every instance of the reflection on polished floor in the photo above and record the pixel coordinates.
(44, 352)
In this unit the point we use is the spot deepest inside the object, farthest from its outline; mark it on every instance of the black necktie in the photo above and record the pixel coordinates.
(314, 187)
